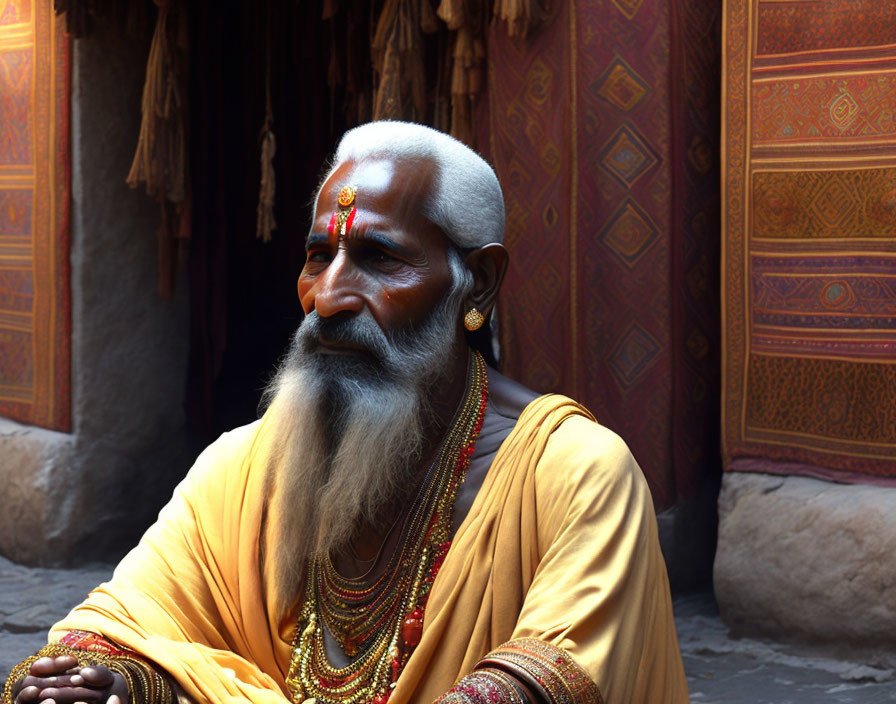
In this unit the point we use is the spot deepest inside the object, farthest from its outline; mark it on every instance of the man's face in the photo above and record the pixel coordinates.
(391, 264)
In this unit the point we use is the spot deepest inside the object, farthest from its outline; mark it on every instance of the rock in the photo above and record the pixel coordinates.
(801, 559)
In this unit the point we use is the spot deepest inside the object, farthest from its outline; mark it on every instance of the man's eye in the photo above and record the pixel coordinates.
(318, 256)
(382, 258)
(379, 257)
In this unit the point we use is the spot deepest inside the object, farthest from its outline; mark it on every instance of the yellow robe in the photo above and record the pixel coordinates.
(560, 544)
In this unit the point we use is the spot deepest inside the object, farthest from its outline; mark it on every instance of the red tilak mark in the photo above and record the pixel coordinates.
(331, 228)
(351, 219)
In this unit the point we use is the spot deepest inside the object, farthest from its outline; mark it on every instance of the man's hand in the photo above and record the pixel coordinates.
(59, 680)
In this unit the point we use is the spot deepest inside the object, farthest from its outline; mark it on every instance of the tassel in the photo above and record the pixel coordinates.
(452, 13)
(467, 58)
(160, 159)
(397, 54)
(521, 16)
(265, 222)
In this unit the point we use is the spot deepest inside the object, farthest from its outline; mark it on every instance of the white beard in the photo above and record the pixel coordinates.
(349, 435)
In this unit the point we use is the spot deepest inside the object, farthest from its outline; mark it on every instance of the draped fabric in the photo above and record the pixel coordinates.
(602, 126)
(809, 222)
(560, 544)
(35, 190)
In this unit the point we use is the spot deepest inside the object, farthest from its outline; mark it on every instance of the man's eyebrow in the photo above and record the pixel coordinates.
(315, 240)
(366, 236)
(382, 240)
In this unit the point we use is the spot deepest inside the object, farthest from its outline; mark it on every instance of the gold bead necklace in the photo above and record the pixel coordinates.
(380, 623)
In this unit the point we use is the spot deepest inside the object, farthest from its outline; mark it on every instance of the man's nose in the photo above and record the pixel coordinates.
(338, 288)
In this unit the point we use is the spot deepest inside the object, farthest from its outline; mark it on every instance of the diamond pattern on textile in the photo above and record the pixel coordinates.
(833, 202)
(633, 355)
(629, 233)
(621, 86)
(859, 203)
(14, 12)
(627, 156)
(629, 8)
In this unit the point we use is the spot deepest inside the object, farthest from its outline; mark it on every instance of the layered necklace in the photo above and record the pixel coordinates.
(379, 622)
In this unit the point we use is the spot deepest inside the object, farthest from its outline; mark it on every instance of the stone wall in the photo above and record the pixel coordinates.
(811, 561)
(90, 493)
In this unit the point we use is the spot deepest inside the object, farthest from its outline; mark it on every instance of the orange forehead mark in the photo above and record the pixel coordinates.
(346, 196)
(341, 220)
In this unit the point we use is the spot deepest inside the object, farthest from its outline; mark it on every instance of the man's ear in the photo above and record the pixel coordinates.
(488, 265)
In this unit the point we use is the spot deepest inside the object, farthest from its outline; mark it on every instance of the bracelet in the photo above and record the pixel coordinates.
(484, 686)
(145, 685)
(547, 669)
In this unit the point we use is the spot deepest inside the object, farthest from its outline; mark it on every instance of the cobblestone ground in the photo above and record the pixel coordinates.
(720, 670)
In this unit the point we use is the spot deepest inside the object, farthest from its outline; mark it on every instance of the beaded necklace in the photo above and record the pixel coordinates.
(381, 623)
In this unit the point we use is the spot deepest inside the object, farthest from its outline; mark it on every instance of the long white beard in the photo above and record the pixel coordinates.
(349, 435)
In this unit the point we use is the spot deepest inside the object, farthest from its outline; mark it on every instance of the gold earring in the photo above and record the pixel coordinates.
(473, 320)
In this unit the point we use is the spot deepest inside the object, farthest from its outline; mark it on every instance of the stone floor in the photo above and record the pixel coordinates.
(720, 670)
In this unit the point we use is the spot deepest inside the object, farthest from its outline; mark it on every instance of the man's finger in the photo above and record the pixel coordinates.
(28, 694)
(43, 667)
(72, 694)
(97, 676)
(114, 699)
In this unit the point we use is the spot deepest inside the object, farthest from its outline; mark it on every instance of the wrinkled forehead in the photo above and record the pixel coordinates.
(396, 185)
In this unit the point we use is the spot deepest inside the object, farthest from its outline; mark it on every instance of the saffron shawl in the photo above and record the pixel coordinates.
(560, 544)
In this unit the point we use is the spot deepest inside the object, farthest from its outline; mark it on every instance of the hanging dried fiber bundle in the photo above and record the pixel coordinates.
(453, 13)
(397, 54)
(466, 82)
(160, 161)
(466, 18)
(265, 222)
(349, 66)
(521, 16)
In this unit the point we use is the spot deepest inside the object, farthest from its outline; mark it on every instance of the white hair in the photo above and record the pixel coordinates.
(466, 202)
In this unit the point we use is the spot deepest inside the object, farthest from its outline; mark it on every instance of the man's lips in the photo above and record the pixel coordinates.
(337, 347)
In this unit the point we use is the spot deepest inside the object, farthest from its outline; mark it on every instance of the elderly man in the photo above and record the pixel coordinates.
(403, 524)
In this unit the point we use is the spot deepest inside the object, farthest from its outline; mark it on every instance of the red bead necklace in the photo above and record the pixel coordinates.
(380, 624)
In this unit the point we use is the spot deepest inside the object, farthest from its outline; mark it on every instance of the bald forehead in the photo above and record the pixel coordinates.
(400, 180)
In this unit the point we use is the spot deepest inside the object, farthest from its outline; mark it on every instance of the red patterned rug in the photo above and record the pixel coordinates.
(603, 126)
(809, 233)
(34, 215)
